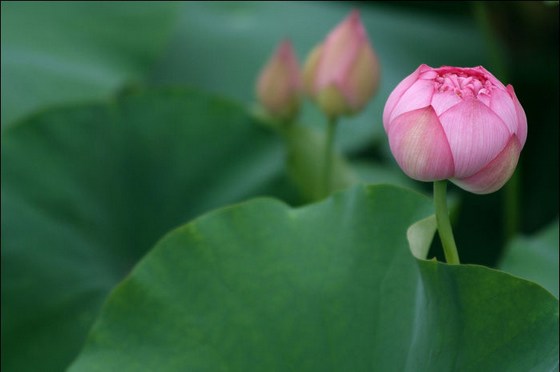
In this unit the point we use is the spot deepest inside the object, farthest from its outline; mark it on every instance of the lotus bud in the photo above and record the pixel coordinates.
(342, 73)
(456, 123)
(279, 83)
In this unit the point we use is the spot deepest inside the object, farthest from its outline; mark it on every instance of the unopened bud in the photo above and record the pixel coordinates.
(342, 73)
(279, 83)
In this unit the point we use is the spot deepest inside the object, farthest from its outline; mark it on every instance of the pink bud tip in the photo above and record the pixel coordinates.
(279, 84)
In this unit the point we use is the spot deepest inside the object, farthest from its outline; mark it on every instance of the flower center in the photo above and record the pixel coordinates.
(463, 84)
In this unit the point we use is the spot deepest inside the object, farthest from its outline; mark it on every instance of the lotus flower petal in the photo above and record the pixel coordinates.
(363, 79)
(443, 101)
(476, 135)
(420, 147)
(340, 50)
(419, 95)
(496, 173)
(493, 80)
(502, 104)
(398, 92)
(521, 117)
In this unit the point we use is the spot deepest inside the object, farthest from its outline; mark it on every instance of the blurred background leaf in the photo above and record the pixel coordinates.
(535, 258)
(87, 190)
(221, 46)
(59, 52)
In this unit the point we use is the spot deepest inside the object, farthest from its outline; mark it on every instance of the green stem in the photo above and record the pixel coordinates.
(443, 223)
(326, 183)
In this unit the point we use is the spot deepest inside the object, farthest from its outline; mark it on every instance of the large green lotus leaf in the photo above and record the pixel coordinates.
(76, 51)
(222, 46)
(328, 287)
(535, 258)
(87, 190)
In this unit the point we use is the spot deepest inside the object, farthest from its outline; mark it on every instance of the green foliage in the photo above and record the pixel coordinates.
(535, 258)
(54, 53)
(87, 190)
(329, 287)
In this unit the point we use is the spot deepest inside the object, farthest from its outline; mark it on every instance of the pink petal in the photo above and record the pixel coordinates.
(477, 71)
(340, 50)
(489, 76)
(419, 95)
(502, 104)
(397, 93)
(521, 117)
(484, 98)
(430, 74)
(442, 101)
(475, 134)
(496, 173)
(420, 147)
(363, 78)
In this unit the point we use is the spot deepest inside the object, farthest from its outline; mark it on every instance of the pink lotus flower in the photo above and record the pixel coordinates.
(279, 85)
(456, 123)
(342, 74)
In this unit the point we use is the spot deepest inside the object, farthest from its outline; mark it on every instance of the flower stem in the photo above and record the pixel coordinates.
(443, 224)
(326, 183)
